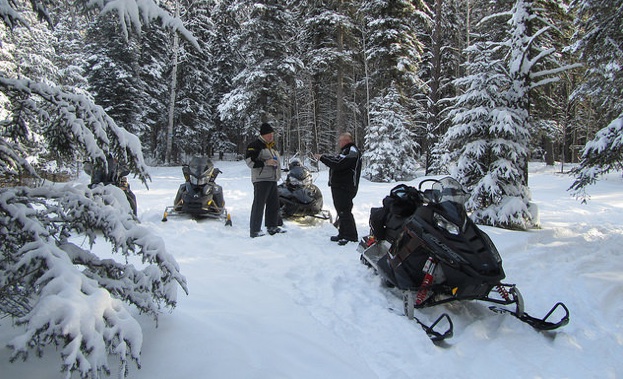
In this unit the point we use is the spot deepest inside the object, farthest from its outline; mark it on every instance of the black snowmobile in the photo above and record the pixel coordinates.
(111, 174)
(199, 196)
(298, 195)
(427, 249)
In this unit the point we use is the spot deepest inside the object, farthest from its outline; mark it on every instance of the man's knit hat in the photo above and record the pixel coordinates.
(265, 128)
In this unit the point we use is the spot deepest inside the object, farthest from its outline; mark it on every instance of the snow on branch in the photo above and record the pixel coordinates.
(135, 13)
(132, 14)
(74, 312)
(12, 161)
(74, 298)
(88, 126)
(10, 16)
(601, 155)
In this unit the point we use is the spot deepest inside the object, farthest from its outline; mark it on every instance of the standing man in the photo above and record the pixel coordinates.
(344, 173)
(263, 160)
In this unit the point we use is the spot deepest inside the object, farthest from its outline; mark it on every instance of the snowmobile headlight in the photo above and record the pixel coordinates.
(198, 181)
(446, 225)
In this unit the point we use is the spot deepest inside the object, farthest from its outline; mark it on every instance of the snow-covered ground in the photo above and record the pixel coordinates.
(298, 306)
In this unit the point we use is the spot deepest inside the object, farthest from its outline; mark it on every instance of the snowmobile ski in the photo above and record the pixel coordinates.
(541, 324)
(433, 330)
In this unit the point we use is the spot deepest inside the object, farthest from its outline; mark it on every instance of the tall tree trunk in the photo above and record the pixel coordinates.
(435, 83)
(366, 75)
(314, 94)
(549, 151)
(339, 93)
(468, 27)
(169, 153)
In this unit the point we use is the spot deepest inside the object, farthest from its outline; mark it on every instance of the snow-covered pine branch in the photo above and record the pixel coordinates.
(76, 298)
(88, 128)
(12, 161)
(10, 16)
(132, 14)
(600, 155)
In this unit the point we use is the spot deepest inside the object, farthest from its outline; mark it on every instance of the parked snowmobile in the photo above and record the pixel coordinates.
(199, 196)
(299, 196)
(111, 174)
(427, 249)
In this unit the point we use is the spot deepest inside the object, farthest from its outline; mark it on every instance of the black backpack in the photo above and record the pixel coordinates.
(386, 222)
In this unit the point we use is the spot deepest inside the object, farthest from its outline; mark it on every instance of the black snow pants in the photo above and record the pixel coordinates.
(343, 203)
(265, 200)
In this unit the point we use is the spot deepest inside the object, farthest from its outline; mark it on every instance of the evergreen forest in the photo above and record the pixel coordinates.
(412, 80)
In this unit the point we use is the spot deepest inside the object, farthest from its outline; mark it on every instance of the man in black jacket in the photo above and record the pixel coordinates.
(344, 173)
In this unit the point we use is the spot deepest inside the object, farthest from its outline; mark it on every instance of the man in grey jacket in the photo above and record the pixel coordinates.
(263, 159)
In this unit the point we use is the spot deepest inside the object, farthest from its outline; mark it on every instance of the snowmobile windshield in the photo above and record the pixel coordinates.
(450, 197)
(299, 177)
(200, 170)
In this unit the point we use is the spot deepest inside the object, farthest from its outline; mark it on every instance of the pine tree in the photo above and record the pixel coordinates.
(486, 143)
(262, 89)
(224, 62)
(441, 64)
(551, 108)
(492, 123)
(389, 141)
(112, 73)
(330, 44)
(194, 118)
(599, 44)
(393, 50)
(393, 54)
(153, 59)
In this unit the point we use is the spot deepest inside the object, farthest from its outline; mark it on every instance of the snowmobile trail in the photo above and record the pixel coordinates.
(330, 314)
(328, 283)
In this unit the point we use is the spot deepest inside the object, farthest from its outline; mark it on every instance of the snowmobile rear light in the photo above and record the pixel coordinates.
(446, 225)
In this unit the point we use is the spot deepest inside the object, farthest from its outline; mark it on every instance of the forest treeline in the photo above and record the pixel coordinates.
(474, 88)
